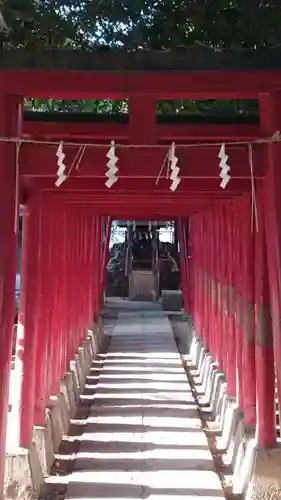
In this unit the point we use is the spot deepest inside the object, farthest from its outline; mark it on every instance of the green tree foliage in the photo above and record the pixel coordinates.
(139, 25)
(105, 107)
(142, 24)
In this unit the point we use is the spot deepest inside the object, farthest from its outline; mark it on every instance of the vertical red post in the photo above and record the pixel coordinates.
(195, 260)
(183, 260)
(204, 243)
(238, 252)
(96, 262)
(41, 364)
(210, 282)
(248, 298)
(28, 318)
(52, 304)
(266, 425)
(270, 108)
(215, 268)
(220, 267)
(105, 247)
(230, 324)
(9, 123)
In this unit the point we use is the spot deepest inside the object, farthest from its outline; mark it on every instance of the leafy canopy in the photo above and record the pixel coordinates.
(138, 24)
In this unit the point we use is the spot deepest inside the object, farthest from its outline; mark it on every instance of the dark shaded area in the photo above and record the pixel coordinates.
(121, 60)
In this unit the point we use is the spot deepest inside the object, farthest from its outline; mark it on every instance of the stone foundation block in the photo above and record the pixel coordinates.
(69, 389)
(244, 463)
(76, 367)
(201, 361)
(87, 354)
(82, 362)
(232, 455)
(201, 371)
(59, 419)
(93, 342)
(24, 479)
(218, 387)
(99, 332)
(266, 476)
(91, 345)
(195, 350)
(229, 423)
(199, 354)
(206, 375)
(221, 404)
(43, 440)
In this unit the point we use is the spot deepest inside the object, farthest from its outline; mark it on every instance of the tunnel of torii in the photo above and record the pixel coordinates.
(231, 283)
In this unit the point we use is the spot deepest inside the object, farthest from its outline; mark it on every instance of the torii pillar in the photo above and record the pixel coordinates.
(10, 118)
(266, 477)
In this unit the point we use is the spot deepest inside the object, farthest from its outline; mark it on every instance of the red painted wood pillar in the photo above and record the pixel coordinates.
(53, 285)
(220, 267)
(266, 425)
(209, 281)
(142, 116)
(87, 320)
(48, 292)
(197, 284)
(79, 279)
(230, 303)
(77, 282)
(42, 351)
(238, 277)
(209, 278)
(96, 272)
(204, 244)
(10, 117)
(213, 296)
(72, 232)
(270, 109)
(181, 227)
(63, 294)
(248, 298)
(223, 257)
(28, 317)
(201, 277)
(215, 267)
(187, 266)
(193, 265)
(70, 266)
(105, 253)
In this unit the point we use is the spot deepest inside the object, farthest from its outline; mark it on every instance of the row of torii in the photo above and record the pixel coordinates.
(172, 167)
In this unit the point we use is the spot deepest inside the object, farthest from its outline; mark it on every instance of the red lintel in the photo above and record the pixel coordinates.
(120, 132)
(212, 84)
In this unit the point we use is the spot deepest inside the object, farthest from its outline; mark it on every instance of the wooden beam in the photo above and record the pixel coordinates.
(213, 84)
(120, 132)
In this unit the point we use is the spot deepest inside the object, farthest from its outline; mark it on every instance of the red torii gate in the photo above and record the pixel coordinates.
(223, 296)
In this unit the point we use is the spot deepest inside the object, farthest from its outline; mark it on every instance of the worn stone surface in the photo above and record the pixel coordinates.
(142, 437)
(18, 481)
(266, 478)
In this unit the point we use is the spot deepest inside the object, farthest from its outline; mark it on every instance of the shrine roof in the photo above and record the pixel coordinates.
(104, 59)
